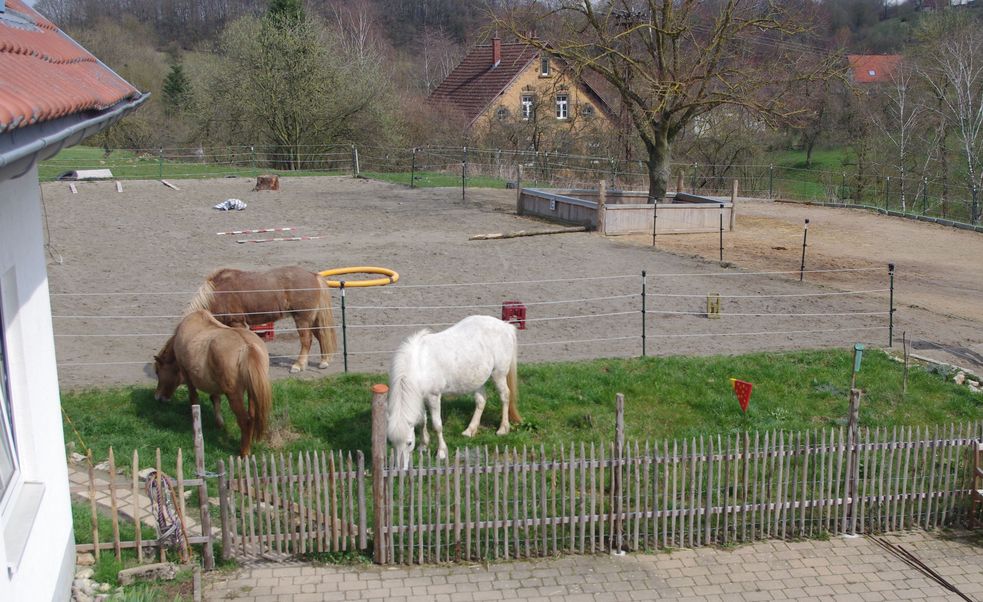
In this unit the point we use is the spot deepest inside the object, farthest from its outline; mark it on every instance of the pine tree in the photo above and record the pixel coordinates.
(176, 91)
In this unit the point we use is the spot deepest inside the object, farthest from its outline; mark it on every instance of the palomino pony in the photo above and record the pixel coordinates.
(460, 359)
(207, 355)
(240, 298)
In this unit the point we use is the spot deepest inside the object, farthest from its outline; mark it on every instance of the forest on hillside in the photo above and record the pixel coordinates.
(311, 74)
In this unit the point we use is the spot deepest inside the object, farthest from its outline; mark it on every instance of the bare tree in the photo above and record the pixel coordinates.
(898, 118)
(672, 61)
(953, 68)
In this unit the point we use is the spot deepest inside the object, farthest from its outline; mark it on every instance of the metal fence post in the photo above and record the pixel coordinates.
(380, 530)
(160, 163)
(887, 192)
(771, 181)
(890, 313)
(924, 196)
(802, 266)
(643, 313)
(344, 326)
(692, 182)
(464, 171)
(721, 231)
(975, 217)
(413, 170)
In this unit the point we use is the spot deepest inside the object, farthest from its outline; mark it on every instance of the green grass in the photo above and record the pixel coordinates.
(560, 402)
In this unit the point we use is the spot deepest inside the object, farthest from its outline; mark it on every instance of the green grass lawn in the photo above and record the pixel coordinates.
(560, 403)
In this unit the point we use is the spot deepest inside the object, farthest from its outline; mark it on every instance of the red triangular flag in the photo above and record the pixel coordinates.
(743, 390)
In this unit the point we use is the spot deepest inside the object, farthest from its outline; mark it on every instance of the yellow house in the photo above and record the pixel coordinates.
(514, 83)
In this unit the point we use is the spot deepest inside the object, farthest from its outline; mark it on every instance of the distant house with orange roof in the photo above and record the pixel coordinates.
(873, 68)
(515, 82)
(53, 94)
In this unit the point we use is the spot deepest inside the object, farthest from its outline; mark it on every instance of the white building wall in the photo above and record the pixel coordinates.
(46, 569)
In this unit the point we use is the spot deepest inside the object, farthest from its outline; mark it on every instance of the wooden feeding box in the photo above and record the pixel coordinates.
(514, 312)
(264, 331)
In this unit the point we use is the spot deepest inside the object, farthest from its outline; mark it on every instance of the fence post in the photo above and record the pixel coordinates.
(890, 313)
(518, 189)
(252, 153)
(887, 192)
(602, 197)
(771, 181)
(643, 313)
(413, 169)
(692, 183)
(208, 553)
(355, 168)
(362, 519)
(924, 195)
(853, 467)
(464, 172)
(379, 526)
(805, 235)
(160, 163)
(618, 473)
(655, 219)
(976, 204)
(223, 507)
(344, 326)
(721, 231)
(843, 188)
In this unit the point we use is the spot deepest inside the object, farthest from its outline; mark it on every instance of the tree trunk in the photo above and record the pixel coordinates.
(658, 164)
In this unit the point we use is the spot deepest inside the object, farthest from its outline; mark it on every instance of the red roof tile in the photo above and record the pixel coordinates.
(45, 75)
(475, 83)
(873, 68)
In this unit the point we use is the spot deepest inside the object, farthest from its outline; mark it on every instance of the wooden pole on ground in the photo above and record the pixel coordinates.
(379, 396)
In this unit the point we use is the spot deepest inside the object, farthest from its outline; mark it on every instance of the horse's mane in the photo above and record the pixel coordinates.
(203, 296)
(405, 407)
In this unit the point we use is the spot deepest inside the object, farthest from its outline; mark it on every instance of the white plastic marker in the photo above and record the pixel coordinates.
(256, 231)
(280, 239)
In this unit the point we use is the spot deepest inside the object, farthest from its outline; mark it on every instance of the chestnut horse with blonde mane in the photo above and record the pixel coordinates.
(218, 359)
(241, 298)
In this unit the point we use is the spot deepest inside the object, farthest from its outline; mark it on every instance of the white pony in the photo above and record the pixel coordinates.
(457, 360)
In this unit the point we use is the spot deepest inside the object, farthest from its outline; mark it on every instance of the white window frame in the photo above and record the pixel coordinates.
(563, 106)
(10, 482)
(526, 102)
(544, 66)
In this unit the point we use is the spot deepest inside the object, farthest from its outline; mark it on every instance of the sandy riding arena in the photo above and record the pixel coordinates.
(123, 265)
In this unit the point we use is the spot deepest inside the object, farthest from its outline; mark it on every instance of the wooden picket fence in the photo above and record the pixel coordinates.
(275, 506)
(125, 499)
(510, 503)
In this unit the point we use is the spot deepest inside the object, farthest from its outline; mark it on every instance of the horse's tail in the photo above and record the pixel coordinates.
(255, 372)
(512, 380)
(203, 299)
(324, 318)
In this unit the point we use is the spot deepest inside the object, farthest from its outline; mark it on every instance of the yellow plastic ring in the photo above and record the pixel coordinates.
(390, 276)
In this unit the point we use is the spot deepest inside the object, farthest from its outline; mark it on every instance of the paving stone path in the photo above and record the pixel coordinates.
(844, 570)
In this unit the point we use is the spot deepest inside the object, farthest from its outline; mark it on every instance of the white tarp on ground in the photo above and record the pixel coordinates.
(87, 174)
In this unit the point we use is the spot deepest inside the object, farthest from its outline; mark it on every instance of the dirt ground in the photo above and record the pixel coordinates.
(122, 267)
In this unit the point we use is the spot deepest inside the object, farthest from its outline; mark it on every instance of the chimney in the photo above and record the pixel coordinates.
(496, 51)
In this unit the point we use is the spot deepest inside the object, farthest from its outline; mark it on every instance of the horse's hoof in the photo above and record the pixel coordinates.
(442, 454)
(502, 431)
(468, 433)
(295, 369)
(323, 365)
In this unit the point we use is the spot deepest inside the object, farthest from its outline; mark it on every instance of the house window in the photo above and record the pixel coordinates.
(502, 114)
(8, 458)
(544, 66)
(587, 111)
(562, 106)
(527, 106)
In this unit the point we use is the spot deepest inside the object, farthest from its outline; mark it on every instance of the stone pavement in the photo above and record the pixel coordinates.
(847, 570)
